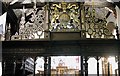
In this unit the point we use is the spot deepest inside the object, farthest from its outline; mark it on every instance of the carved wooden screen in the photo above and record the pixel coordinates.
(34, 26)
(95, 26)
(64, 17)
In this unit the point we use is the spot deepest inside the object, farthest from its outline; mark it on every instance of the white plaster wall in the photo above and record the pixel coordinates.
(118, 16)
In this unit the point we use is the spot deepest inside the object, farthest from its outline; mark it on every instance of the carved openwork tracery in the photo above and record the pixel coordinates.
(33, 28)
(97, 27)
(64, 17)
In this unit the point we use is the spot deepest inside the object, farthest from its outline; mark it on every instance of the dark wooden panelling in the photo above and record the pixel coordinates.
(65, 35)
(91, 47)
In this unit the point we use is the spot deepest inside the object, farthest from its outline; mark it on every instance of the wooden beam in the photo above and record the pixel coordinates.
(19, 5)
(91, 47)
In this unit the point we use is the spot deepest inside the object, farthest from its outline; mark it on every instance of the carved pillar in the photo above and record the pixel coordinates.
(49, 66)
(83, 33)
(118, 17)
(8, 34)
(97, 58)
(14, 69)
(45, 66)
(34, 65)
(118, 65)
(47, 17)
(81, 73)
(23, 74)
(117, 32)
(3, 68)
(105, 66)
(46, 21)
(18, 69)
(86, 66)
(8, 67)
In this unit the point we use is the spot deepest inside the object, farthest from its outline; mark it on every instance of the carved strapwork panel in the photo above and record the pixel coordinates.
(33, 25)
(33, 28)
(96, 26)
(64, 17)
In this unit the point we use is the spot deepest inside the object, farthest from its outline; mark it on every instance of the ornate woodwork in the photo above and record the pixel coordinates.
(55, 20)
(106, 67)
(33, 28)
(64, 22)
(64, 17)
(79, 47)
(97, 27)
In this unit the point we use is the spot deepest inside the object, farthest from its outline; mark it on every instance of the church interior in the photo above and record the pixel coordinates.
(60, 37)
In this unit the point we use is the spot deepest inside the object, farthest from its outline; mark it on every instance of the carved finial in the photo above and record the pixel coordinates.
(117, 32)
(22, 22)
(16, 33)
(35, 3)
(8, 32)
(9, 27)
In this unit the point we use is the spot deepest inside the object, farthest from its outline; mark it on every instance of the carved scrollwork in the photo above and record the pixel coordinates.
(33, 28)
(97, 27)
(64, 17)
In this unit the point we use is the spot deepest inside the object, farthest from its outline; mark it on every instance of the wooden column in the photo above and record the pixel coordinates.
(108, 68)
(14, 69)
(23, 66)
(118, 65)
(117, 32)
(3, 68)
(97, 58)
(8, 67)
(81, 73)
(8, 34)
(86, 66)
(34, 65)
(45, 66)
(49, 66)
